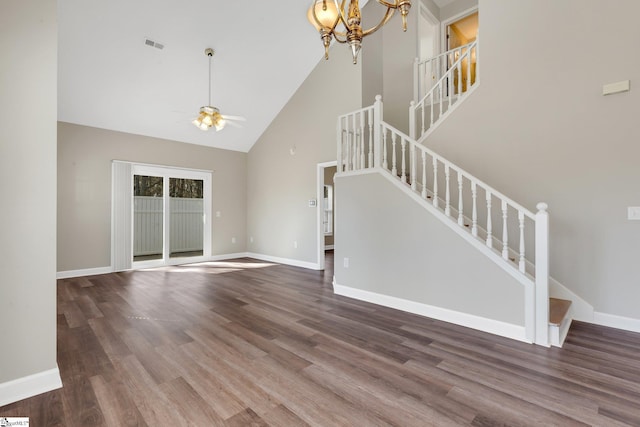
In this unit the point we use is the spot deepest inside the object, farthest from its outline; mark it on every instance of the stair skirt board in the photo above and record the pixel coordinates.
(495, 327)
(558, 333)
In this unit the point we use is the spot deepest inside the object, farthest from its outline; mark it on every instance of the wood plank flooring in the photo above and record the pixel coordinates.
(248, 343)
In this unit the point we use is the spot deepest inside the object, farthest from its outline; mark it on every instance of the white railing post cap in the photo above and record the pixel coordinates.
(378, 98)
(542, 207)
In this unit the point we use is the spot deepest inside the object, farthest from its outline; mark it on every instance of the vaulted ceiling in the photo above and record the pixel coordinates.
(109, 78)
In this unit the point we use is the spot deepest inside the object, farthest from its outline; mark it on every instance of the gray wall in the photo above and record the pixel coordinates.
(280, 183)
(28, 110)
(396, 248)
(538, 129)
(84, 189)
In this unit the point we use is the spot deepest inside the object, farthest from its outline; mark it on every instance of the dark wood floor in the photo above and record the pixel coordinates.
(249, 343)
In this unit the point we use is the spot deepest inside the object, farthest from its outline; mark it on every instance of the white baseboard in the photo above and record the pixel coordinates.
(32, 385)
(618, 322)
(84, 272)
(287, 261)
(491, 326)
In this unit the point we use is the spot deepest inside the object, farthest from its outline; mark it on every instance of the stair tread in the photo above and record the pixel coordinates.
(558, 309)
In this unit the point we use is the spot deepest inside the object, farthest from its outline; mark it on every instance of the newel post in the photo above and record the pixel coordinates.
(377, 131)
(542, 275)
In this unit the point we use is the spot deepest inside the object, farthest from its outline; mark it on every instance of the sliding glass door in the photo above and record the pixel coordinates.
(171, 209)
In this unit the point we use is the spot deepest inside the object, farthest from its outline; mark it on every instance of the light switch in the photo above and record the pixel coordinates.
(617, 87)
(633, 213)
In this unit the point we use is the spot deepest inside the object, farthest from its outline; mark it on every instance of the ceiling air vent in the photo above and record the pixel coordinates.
(152, 43)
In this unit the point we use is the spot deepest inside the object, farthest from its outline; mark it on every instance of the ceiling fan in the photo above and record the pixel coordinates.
(210, 116)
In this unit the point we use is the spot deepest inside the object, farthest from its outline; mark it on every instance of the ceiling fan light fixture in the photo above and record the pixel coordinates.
(210, 116)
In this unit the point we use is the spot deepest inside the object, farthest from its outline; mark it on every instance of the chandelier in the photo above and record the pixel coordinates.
(328, 15)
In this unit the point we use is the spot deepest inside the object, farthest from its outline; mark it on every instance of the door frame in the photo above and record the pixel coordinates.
(445, 24)
(320, 210)
(122, 213)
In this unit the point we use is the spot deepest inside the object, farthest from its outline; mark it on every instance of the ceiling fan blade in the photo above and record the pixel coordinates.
(234, 124)
(237, 118)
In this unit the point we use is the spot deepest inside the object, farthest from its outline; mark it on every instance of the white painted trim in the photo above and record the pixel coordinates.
(483, 324)
(31, 385)
(320, 211)
(84, 272)
(287, 261)
(328, 247)
(618, 322)
(444, 24)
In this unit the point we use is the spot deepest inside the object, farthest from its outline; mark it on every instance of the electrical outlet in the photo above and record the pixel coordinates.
(233, 240)
(346, 263)
(295, 244)
(251, 239)
(218, 214)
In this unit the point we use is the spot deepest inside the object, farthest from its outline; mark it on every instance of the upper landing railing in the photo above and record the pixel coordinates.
(439, 84)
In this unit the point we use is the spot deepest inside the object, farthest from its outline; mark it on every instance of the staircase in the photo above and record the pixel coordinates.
(506, 232)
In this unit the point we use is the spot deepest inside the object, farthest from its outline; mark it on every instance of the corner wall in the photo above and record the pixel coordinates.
(28, 110)
(281, 166)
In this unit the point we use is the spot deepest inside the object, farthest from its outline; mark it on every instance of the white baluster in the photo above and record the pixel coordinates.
(431, 109)
(348, 148)
(505, 236)
(394, 168)
(449, 86)
(354, 131)
(468, 69)
(435, 182)
(474, 215)
(424, 174)
(363, 163)
(370, 116)
(422, 113)
(460, 207)
(521, 264)
(447, 202)
(412, 158)
(385, 164)
(460, 77)
(440, 86)
(489, 225)
(403, 145)
(340, 138)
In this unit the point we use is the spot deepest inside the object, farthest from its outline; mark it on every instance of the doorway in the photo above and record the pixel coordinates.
(161, 215)
(459, 32)
(326, 209)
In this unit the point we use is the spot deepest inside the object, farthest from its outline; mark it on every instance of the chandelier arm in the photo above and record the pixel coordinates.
(393, 5)
(341, 17)
(335, 36)
(387, 16)
(335, 24)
